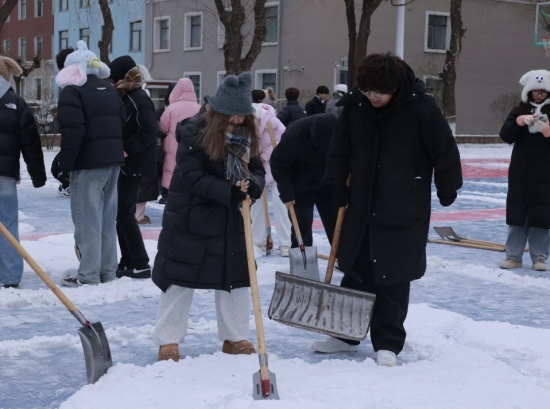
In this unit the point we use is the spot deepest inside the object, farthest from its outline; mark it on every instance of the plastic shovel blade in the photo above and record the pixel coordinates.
(258, 392)
(97, 353)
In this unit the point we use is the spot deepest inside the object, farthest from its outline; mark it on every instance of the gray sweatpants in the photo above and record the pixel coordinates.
(232, 311)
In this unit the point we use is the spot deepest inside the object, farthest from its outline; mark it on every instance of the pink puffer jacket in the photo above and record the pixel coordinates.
(183, 104)
(266, 113)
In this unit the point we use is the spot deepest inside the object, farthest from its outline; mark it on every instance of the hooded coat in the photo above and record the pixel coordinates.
(202, 243)
(391, 153)
(266, 114)
(19, 134)
(182, 105)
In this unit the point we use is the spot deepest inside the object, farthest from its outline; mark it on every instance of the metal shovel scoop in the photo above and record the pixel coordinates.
(303, 260)
(97, 353)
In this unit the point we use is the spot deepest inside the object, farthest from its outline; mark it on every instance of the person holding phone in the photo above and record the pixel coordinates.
(528, 201)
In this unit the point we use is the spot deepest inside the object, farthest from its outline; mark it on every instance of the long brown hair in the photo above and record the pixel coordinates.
(213, 138)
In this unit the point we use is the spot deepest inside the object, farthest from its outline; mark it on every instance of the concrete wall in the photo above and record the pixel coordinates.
(497, 49)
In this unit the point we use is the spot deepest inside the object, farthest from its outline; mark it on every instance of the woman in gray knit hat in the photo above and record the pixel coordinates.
(202, 242)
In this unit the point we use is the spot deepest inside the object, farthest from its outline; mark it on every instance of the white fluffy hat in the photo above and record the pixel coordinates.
(535, 79)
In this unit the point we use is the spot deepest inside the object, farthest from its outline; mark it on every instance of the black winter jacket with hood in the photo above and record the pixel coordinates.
(392, 153)
(19, 135)
(292, 112)
(202, 243)
(91, 121)
(316, 106)
(298, 163)
(140, 134)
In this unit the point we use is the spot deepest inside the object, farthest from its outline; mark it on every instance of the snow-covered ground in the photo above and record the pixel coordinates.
(478, 336)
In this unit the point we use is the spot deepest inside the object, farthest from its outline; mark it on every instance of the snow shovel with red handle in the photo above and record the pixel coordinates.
(97, 353)
(264, 382)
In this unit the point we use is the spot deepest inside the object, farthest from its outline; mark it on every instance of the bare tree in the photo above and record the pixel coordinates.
(107, 35)
(502, 105)
(359, 38)
(27, 67)
(45, 115)
(6, 10)
(233, 20)
(448, 75)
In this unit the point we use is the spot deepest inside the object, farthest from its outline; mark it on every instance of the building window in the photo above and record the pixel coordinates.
(162, 34)
(344, 75)
(135, 36)
(220, 77)
(38, 8)
(434, 86)
(438, 31)
(193, 31)
(266, 78)
(23, 48)
(272, 24)
(6, 47)
(38, 88)
(23, 87)
(111, 43)
(22, 9)
(63, 39)
(63, 5)
(195, 78)
(85, 36)
(38, 46)
(84, 3)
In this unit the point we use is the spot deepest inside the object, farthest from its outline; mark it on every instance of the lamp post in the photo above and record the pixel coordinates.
(400, 31)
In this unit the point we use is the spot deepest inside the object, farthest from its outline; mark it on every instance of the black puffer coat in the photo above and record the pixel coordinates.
(292, 112)
(140, 134)
(391, 153)
(202, 243)
(299, 161)
(91, 119)
(529, 173)
(19, 134)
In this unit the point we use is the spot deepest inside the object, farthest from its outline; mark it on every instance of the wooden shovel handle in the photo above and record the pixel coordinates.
(336, 240)
(253, 279)
(294, 221)
(271, 134)
(9, 237)
(266, 212)
(470, 245)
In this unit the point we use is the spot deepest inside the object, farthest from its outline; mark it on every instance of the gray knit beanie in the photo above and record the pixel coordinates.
(233, 96)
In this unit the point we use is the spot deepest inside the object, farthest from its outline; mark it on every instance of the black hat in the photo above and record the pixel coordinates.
(120, 66)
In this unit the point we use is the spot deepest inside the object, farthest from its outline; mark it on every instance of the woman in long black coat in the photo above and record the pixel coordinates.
(528, 200)
(202, 242)
(391, 137)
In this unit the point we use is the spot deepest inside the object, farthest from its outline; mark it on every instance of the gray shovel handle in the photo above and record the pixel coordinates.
(70, 306)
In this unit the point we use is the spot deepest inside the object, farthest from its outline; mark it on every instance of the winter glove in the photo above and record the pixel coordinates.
(237, 195)
(542, 127)
(340, 195)
(446, 198)
(525, 120)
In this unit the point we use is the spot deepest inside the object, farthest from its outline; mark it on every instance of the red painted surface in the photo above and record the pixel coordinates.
(29, 28)
(485, 168)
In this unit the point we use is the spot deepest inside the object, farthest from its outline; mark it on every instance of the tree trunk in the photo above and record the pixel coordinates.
(369, 7)
(108, 28)
(448, 75)
(5, 11)
(233, 22)
(352, 41)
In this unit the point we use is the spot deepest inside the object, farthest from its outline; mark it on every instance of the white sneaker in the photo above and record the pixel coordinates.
(64, 192)
(386, 358)
(284, 251)
(332, 345)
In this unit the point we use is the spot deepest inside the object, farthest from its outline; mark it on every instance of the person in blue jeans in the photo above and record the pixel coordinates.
(528, 199)
(91, 121)
(18, 135)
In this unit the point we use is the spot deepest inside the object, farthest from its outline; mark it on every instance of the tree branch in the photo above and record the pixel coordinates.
(108, 28)
(260, 31)
(6, 10)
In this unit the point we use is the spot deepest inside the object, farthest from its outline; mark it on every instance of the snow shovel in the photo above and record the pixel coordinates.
(97, 353)
(264, 382)
(447, 233)
(269, 240)
(469, 245)
(321, 307)
(303, 260)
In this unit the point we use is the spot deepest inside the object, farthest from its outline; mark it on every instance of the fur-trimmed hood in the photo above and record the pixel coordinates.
(9, 67)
